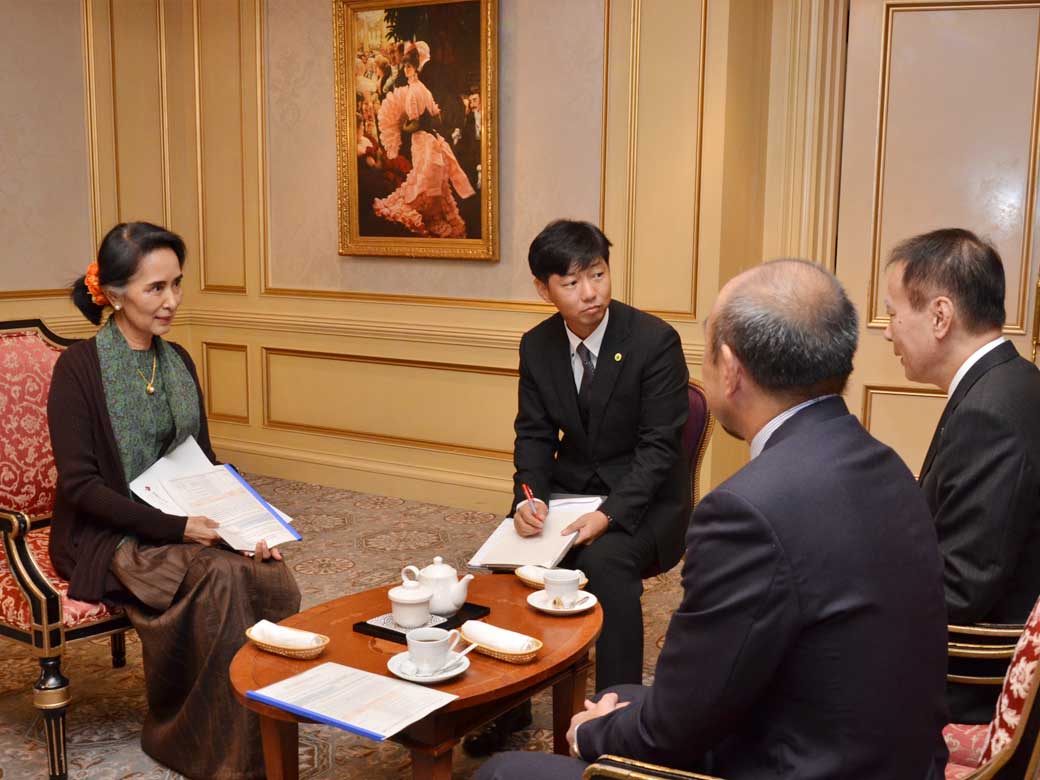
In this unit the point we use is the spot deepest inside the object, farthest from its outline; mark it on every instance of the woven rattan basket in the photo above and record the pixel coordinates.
(541, 585)
(303, 654)
(511, 658)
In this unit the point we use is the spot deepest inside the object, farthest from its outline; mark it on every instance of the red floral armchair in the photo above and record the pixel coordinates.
(34, 607)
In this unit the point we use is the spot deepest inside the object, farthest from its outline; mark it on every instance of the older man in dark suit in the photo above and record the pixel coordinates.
(981, 476)
(602, 404)
(810, 640)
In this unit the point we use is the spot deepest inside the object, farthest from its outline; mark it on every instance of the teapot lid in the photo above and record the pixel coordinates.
(410, 592)
(439, 569)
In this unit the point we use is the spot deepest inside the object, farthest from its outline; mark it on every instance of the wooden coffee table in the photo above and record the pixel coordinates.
(486, 690)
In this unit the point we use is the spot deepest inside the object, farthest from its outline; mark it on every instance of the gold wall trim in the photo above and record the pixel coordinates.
(10, 295)
(891, 8)
(374, 329)
(200, 175)
(164, 112)
(422, 333)
(415, 300)
(869, 391)
(691, 313)
(428, 365)
(392, 468)
(93, 169)
(207, 347)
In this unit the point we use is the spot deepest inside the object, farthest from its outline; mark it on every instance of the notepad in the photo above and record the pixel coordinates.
(505, 549)
(371, 705)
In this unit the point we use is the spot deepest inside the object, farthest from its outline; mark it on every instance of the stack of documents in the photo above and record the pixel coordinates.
(184, 482)
(368, 704)
(506, 549)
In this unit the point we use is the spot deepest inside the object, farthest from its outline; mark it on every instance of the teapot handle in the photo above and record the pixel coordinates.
(413, 569)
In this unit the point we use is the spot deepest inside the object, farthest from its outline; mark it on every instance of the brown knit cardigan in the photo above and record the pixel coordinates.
(92, 509)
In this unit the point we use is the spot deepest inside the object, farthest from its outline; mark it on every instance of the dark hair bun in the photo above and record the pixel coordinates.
(83, 301)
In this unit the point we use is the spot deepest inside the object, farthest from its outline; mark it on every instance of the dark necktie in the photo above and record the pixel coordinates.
(587, 374)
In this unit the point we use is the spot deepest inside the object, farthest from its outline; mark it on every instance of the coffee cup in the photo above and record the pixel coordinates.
(562, 584)
(430, 648)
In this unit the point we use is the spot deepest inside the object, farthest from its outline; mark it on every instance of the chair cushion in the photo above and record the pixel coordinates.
(956, 771)
(14, 609)
(694, 428)
(27, 473)
(1022, 677)
(966, 742)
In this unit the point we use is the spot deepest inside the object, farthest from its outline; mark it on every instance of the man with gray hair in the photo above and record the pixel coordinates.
(810, 642)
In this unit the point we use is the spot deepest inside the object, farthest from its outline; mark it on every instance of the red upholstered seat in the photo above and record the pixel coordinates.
(14, 609)
(1007, 746)
(34, 608)
(27, 473)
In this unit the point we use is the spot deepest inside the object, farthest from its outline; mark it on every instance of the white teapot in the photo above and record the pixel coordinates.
(449, 592)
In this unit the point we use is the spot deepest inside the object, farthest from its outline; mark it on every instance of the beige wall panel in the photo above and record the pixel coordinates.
(959, 133)
(904, 418)
(221, 82)
(45, 218)
(226, 371)
(550, 130)
(440, 405)
(667, 156)
(139, 111)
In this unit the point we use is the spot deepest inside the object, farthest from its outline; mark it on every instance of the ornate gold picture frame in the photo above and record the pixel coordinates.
(416, 127)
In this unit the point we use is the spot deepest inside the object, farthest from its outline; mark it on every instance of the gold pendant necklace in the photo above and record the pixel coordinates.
(149, 384)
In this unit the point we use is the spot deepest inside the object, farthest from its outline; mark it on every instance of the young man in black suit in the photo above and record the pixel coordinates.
(602, 405)
(810, 643)
(981, 476)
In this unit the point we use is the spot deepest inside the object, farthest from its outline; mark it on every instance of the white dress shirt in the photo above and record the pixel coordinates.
(759, 442)
(974, 358)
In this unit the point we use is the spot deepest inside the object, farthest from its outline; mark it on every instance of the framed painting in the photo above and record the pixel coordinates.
(416, 116)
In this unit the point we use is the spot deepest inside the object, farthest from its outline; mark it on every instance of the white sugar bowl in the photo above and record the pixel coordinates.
(410, 603)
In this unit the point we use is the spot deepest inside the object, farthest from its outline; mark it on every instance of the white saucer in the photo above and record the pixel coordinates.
(402, 666)
(540, 601)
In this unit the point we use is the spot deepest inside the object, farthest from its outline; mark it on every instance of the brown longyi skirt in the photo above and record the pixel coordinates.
(196, 603)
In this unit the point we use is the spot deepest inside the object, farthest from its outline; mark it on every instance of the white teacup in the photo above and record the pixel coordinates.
(430, 648)
(562, 584)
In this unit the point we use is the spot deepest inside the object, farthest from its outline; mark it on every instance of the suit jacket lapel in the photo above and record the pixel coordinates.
(994, 357)
(608, 367)
(563, 378)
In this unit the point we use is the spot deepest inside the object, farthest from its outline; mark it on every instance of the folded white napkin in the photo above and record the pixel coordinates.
(497, 638)
(283, 636)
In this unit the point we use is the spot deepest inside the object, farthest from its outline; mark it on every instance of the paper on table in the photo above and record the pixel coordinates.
(222, 495)
(506, 549)
(184, 460)
(284, 636)
(361, 702)
(497, 638)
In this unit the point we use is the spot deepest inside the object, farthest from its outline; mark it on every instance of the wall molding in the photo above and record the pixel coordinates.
(388, 468)
(269, 421)
(214, 346)
(1018, 325)
(806, 121)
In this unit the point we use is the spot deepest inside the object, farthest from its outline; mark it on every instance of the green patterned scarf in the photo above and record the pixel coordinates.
(141, 422)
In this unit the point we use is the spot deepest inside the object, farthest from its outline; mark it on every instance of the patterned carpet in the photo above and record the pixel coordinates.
(351, 541)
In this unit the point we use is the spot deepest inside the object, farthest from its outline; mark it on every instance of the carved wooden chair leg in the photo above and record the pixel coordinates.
(119, 650)
(51, 696)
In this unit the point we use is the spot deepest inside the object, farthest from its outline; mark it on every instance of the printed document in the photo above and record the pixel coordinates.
(368, 704)
(249, 517)
(506, 549)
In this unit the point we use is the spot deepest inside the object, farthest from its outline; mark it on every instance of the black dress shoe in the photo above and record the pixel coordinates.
(492, 737)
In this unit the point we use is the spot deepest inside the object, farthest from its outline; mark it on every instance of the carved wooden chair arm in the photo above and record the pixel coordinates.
(617, 768)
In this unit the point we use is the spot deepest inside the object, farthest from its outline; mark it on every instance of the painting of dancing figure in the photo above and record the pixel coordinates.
(415, 105)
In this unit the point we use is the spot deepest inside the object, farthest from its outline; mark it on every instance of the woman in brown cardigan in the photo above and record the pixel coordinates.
(117, 402)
